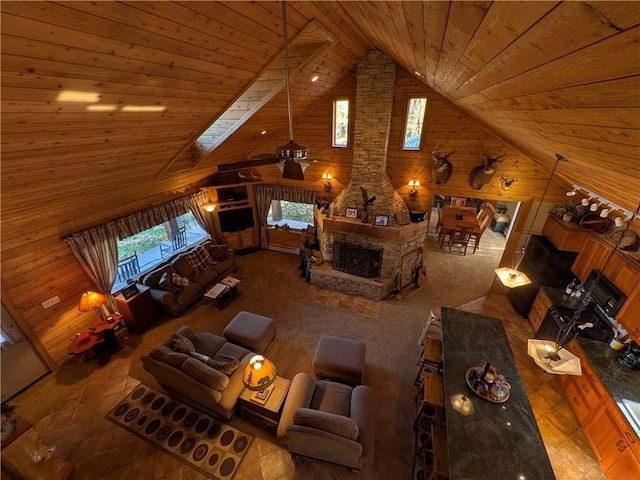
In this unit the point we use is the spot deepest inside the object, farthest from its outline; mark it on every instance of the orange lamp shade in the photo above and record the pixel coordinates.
(91, 301)
(259, 374)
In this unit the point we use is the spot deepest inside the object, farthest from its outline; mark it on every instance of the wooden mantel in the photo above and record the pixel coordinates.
(394, 233)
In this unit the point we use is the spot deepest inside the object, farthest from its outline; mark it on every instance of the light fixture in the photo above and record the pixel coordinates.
(546, 355)
(78, 96)
(604, 213)
(511, 277)
(101, 107)
(258, 376)
(93, 301)
(585, 202)
(143, 108)
(571, 193)
(209, 207)
(413, 188)
(290, 152)
(327, 181)
(263, 132)
(315, 78)
(593, 207)
(619, 221)
(506, 183)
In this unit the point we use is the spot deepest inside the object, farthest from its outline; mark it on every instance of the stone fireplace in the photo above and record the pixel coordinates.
(399, 246)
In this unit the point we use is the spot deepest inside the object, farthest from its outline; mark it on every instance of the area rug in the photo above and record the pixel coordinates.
(200, 441)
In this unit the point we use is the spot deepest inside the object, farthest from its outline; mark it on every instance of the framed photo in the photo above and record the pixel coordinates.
(129, 291)
(381, 220)
(352, 213)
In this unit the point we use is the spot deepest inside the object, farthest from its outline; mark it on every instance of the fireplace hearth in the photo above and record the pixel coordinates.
(357, 260)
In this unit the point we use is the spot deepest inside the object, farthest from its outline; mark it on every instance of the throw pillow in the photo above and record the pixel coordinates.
(179, 281)
(199, 260)
(182, 344)
(224, 367)
(165, 283)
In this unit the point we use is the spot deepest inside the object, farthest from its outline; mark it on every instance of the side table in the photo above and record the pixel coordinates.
(269, 413)
(99, 341)
(140, 311)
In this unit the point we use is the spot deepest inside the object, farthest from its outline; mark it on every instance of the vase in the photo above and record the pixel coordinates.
(365, 216)
(567, 217)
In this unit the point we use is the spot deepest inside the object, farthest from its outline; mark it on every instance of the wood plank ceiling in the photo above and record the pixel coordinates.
(544, 77)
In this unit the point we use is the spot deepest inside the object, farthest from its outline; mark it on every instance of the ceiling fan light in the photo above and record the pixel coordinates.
(292, 171)
(291, 151)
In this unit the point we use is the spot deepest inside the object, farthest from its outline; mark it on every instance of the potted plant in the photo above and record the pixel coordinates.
(8, 420)
(569, 211)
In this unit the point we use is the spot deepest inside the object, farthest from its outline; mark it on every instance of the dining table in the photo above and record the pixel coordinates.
(457, 216)
(487, 439)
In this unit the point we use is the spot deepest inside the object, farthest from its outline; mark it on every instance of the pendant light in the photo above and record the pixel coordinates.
(511, 277)
(291, 151)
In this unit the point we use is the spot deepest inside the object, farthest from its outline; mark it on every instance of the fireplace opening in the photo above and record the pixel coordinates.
(357, 260)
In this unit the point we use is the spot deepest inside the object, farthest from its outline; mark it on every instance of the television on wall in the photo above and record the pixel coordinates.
(236, 220)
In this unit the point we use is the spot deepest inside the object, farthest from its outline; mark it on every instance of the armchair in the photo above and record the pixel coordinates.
(329, 421)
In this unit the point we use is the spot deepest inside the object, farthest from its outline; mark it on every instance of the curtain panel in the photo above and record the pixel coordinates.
(204, 218)
(264, 194)
(96, 249)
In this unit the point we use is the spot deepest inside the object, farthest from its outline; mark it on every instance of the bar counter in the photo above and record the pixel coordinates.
(498, 440)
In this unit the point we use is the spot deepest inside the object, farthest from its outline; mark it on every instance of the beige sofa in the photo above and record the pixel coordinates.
(194, 382)
(176, 300)
(329, 421)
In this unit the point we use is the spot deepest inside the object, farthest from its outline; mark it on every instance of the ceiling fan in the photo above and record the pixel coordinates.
(288, 156)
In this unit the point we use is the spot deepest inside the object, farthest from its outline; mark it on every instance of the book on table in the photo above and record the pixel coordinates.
(230, 281)
(216, 290)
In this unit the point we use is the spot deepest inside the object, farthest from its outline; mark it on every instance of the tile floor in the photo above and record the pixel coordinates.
(101, 451)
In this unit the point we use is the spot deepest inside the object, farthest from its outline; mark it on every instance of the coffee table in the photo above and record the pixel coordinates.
(223, 292)
(269, 413)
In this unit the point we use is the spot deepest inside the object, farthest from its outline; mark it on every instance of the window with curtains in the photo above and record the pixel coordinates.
(294, 214)
(143, 251)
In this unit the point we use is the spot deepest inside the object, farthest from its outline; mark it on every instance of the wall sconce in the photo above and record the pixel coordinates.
(506, 183)
(327, 181)
(413, 188)
(209, 207)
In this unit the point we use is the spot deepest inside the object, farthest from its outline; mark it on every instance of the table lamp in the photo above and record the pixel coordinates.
(258, 376)
(93, 301)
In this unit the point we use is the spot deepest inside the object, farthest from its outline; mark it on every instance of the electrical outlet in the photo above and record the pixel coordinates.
(51, 302)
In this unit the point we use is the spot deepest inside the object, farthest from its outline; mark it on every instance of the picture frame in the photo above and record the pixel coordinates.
(352, 213)
(129, 291)
(381, 220)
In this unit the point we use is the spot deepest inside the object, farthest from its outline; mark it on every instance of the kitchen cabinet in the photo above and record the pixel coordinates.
(612, 440)
(565, 236)
(592, 255)
(538, 311)
(629, 314)
(623, 273)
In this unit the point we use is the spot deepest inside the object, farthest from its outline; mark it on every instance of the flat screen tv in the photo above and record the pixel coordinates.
(236, 220)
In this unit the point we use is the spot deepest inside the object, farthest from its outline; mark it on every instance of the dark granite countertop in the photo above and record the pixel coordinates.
(497, 440)
(622, 383)
(561, 299)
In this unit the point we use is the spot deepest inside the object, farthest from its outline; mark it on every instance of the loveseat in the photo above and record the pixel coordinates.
(179, 282)
(192, 380)
(329, 421)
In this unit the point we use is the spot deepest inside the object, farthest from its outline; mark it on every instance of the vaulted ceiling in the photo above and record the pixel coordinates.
(545, 77)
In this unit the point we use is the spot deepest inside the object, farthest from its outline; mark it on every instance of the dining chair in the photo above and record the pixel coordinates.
(433, 451)
(440, 219)
(431, 360)
(476, 234)
(458, 201)
(460, 238)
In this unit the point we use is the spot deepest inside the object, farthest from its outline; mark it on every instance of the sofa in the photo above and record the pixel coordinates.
(191, 379)
(329, 421)
(182, 279)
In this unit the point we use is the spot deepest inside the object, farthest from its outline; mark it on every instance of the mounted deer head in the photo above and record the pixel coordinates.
(442, 168)
(481, 175)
